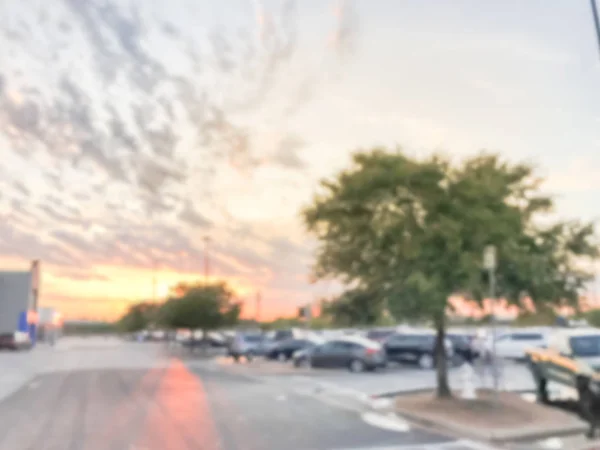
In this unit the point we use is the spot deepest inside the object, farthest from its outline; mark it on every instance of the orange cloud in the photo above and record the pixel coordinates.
(111, 289)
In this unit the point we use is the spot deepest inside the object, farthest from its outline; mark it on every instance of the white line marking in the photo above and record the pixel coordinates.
(389, 422)
(551, 443)
(529, 397)
(472, 445)
(34, 384)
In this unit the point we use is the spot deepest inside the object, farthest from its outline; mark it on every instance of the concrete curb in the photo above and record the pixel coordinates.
(497, 436)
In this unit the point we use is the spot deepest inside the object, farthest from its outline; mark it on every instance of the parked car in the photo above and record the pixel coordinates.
(245, 345)
(197, 339)
(514, 345)
(463, 347)
(414, 347)
(18, 340)
(569, 366)
(356, 353)
(283, 351)
(379, 334)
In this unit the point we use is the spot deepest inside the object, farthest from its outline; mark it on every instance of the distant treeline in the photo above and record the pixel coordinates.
(86, 328)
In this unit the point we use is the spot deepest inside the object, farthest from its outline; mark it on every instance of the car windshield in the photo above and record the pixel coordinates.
(379, 334)
(253, 339)
(458, 338)
(586, 345)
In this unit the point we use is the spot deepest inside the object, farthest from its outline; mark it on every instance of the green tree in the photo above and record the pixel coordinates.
(201, 307)
(414, 230)
(355, 307)
(593, 317)
(282, 323)
(138, 317)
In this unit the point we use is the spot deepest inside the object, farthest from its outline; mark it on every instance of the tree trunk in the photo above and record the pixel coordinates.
(441, 361)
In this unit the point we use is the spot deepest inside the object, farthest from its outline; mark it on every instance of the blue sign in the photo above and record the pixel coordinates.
(23, 325)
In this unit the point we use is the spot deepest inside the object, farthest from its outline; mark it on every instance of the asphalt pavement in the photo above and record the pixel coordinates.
(173, 406)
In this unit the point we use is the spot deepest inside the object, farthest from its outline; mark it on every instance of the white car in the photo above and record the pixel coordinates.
(514, 344)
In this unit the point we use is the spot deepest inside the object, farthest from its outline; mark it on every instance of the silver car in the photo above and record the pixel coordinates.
(246, 345)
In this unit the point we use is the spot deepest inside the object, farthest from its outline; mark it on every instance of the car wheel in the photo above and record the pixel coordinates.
(356, 365)
(426, 361)
(249, 356)
(281, 357)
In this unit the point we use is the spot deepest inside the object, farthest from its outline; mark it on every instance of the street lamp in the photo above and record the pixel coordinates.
(207, 241)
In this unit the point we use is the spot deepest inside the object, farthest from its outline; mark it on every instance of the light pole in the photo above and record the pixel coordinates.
(258, 299)
(596, 20)
(206, 240)
(489, 263)
(153, 279)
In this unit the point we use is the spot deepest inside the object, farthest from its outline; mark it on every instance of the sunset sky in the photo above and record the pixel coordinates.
(130, 131)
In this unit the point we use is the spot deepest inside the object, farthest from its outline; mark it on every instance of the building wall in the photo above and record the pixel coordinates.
(15, 297)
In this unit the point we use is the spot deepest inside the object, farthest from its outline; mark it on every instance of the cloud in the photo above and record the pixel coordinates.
(189, 215)
(21, 189)
(132, 117)
(287, 153)
(30, 245)
(579, 176)
(344, 37)
(81, 275)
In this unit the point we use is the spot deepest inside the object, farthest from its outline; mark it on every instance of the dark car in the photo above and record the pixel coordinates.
(284, 350)
(15, 341)
(283, 335)
(379, 334)
(356, 354)
(464, 350)
(415, 348)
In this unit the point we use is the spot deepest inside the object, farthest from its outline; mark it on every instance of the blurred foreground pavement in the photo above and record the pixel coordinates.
(131, 396)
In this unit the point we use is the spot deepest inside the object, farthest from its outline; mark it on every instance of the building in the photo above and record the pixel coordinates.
(19, 293)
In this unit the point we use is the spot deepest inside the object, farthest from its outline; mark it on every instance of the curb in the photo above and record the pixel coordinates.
(497, 437)
(578, 427)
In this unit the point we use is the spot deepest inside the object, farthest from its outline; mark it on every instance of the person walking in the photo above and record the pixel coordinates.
(484, 362)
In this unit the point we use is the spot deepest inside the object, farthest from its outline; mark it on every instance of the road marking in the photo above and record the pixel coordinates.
(381, 403)
(529, 397)
(34, 384)
(389, 422)
(281, 398)
(470, 445)
(462, 444)
(551, 443)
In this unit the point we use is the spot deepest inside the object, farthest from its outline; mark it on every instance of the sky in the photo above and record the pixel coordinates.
(132, 130)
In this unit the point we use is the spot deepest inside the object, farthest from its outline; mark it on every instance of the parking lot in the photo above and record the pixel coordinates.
(394, 379)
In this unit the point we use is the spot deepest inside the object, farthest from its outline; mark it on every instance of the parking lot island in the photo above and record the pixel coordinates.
(499, 418)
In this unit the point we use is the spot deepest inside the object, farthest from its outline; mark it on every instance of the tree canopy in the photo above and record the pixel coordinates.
(355, 307)
(138, 317)
(201, 306)
(414, 231)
